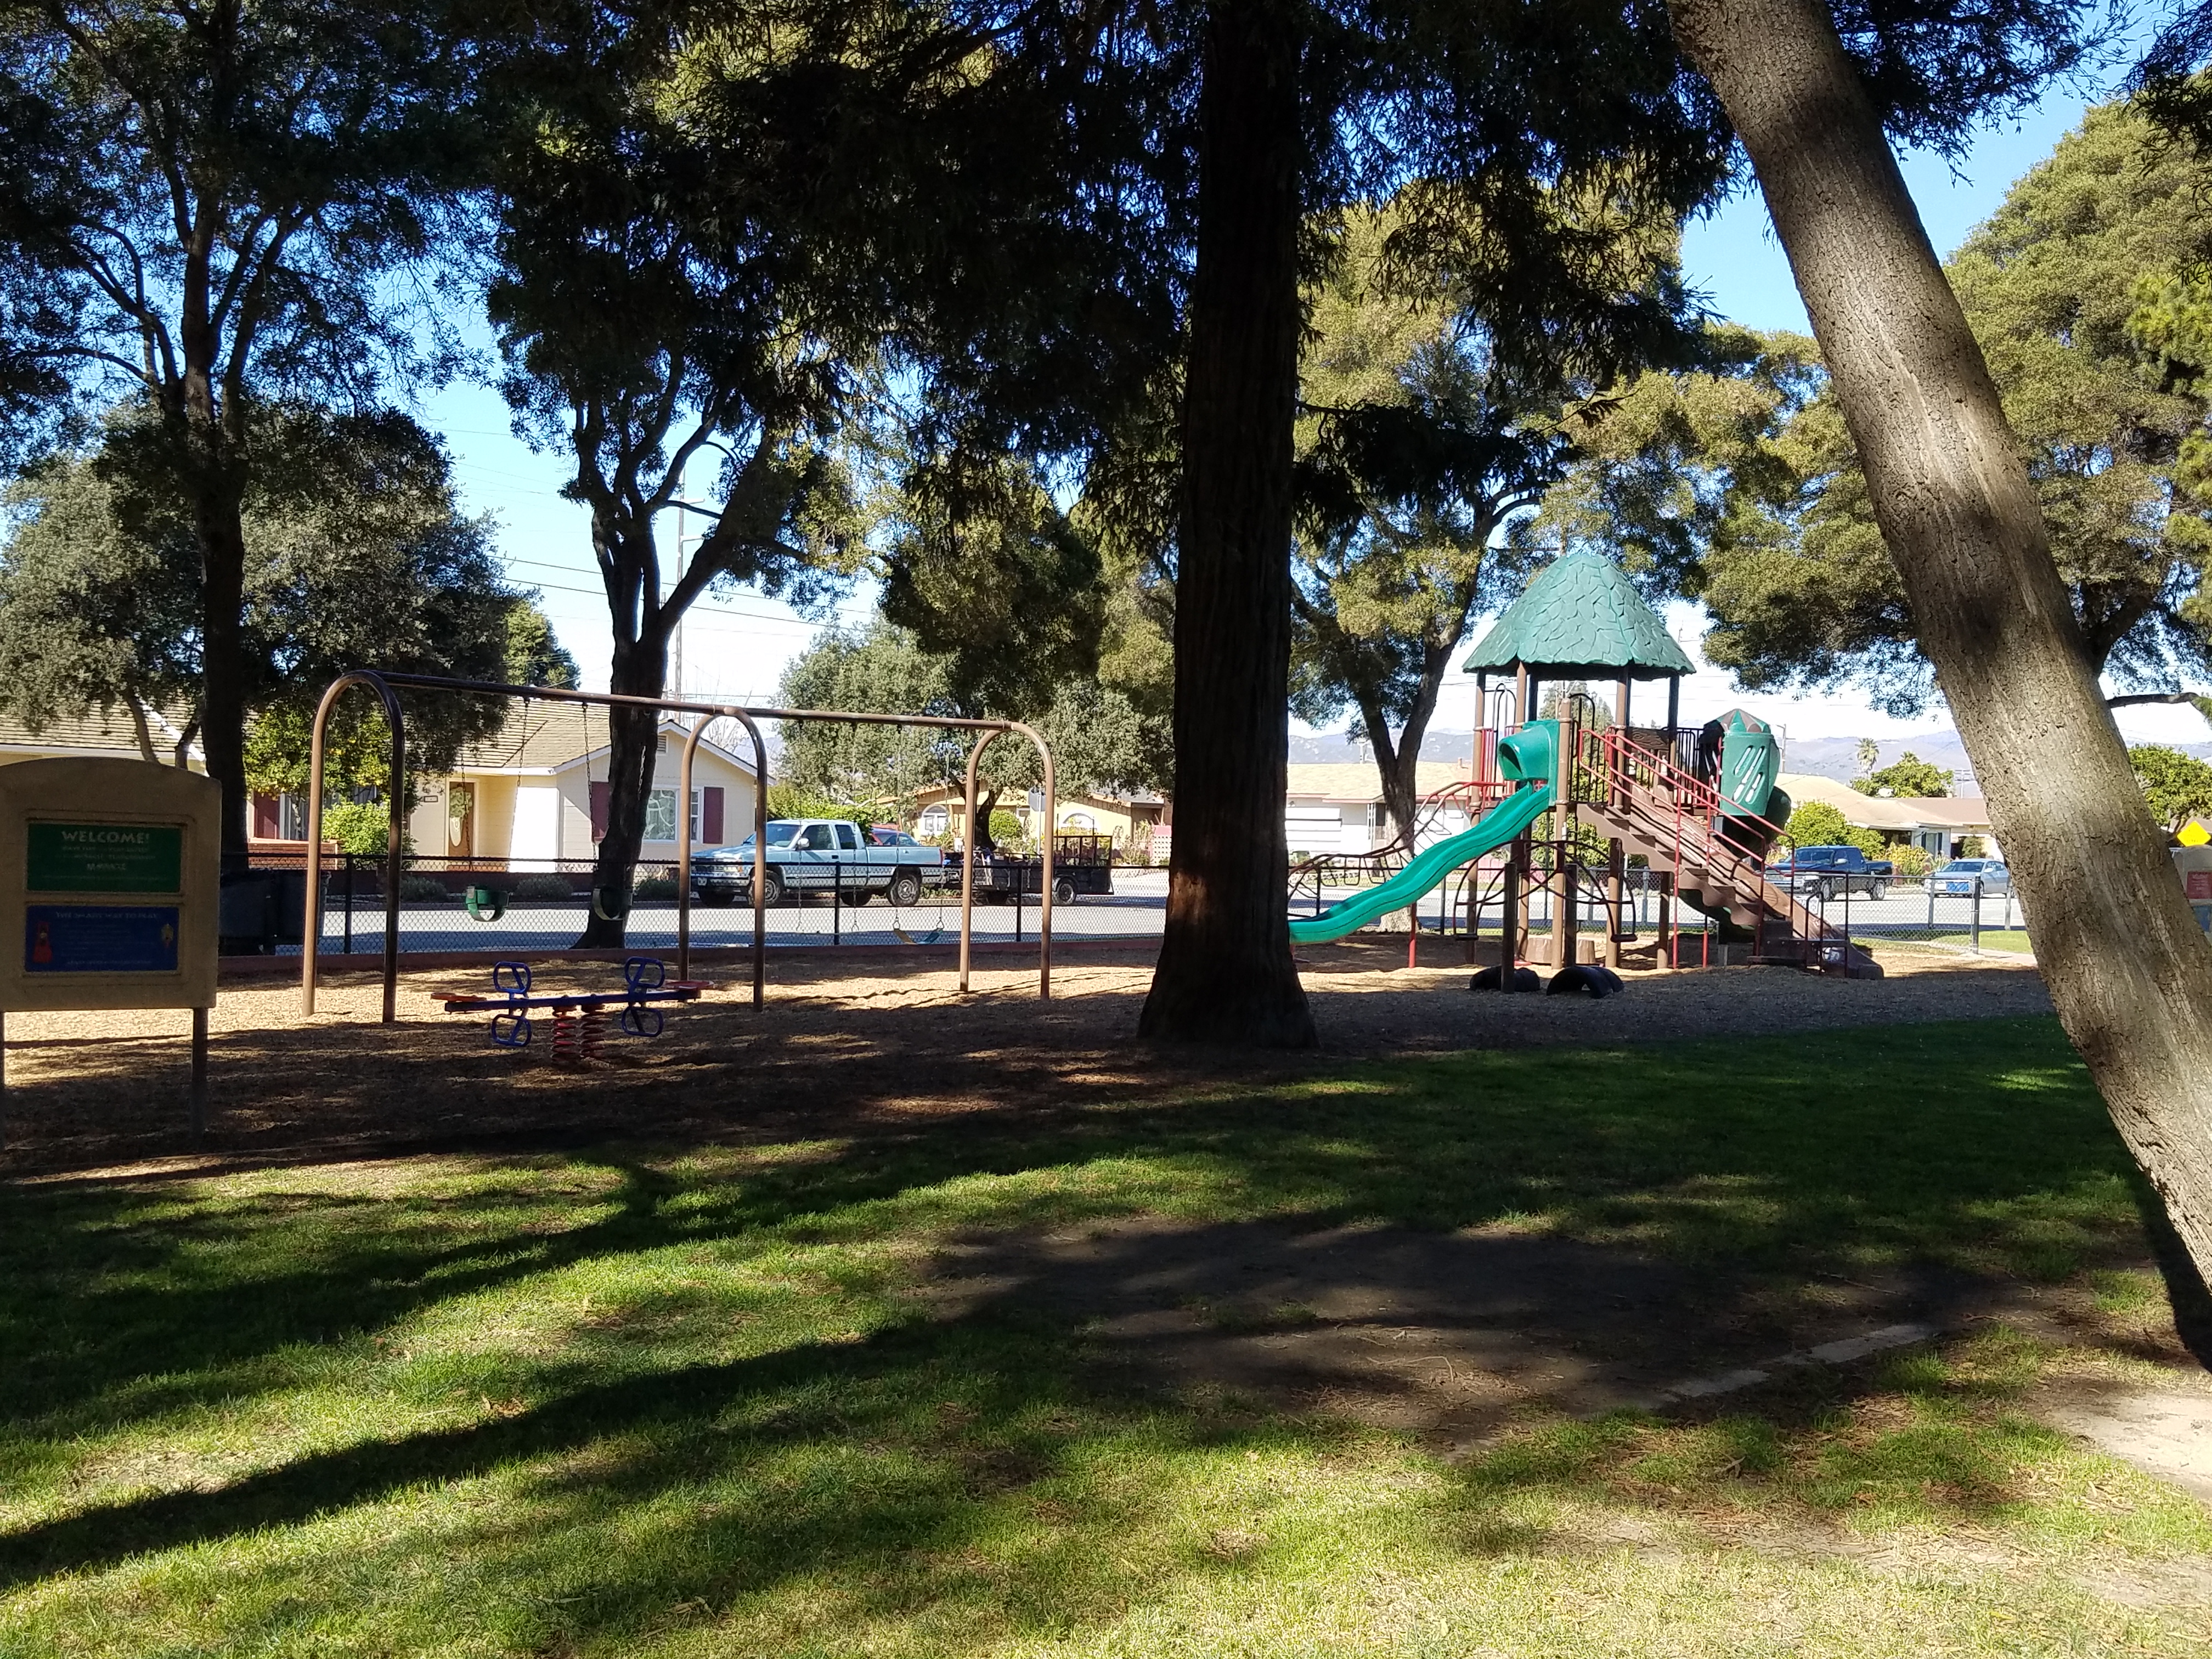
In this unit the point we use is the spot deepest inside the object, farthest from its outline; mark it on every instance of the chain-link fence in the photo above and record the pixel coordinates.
(449, 905)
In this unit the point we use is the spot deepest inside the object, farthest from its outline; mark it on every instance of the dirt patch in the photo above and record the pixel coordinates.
(2164, 1429)
(834, 1050)
(1449, 1335)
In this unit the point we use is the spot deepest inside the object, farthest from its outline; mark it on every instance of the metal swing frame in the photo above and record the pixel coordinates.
(388, 686)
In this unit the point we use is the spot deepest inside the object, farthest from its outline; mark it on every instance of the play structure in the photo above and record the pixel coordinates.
(579, 1018)
(609, 904)
(1560, 805)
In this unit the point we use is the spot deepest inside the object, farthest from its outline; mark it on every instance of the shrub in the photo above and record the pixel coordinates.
(1911, 862)
(1972, 847)
(1816, 824)
(423, 887)
(558, 887)
(359, 827)
(654, 887)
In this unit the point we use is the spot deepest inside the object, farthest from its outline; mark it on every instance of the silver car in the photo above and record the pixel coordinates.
(1959, 875)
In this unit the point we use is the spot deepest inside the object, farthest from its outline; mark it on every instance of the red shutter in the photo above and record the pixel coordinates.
(600, 794)
(265, 817)
(710, 815)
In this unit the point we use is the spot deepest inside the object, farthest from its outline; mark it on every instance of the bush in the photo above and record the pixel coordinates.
(1972, 847)
(423, 887)
(558, 887)
(1816, 824)
(359, 827)
(654, 887)
(1911, 862)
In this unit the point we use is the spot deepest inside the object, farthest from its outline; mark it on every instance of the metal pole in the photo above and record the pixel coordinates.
(348, 895)
(1977, 916)
(200, 1073)
(312, 929)
(836, 900)
(3, 1079)
(684, 839)
(968, 861)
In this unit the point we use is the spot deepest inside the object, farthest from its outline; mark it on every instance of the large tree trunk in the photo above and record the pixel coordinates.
(2130, 974)
(1225, 972)
(639, 670)
(222, 664)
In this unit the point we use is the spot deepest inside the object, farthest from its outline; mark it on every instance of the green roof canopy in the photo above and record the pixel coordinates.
(1580, 619)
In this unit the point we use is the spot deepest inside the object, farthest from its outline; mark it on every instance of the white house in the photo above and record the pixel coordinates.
(1336, 807)
(536, 792)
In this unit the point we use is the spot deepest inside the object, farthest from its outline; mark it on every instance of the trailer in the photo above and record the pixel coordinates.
(1082, 865)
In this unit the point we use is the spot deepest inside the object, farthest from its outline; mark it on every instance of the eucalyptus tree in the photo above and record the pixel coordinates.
(1816, 94)
(207, 203)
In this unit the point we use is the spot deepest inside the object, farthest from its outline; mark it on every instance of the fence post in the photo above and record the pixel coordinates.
(1021, 886)
(349, 924)
(1977, 915)
(1931, 884)
(837, 901)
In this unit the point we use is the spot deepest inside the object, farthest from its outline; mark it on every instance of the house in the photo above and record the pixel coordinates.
(942, 809)
(1936, 823)
(534, 793)
(97, 735)
(1336, 807)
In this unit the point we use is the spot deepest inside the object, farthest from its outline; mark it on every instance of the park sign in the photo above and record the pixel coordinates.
(108, 885)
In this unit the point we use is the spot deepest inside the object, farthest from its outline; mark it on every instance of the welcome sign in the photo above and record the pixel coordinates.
(104, 858)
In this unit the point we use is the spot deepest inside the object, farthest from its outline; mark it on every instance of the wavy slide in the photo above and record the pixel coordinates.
(1428, 867)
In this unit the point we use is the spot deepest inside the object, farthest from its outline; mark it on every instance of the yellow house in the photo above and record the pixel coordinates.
(943, 810)
(534, 794)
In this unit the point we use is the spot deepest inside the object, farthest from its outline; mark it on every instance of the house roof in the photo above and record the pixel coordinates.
(545, 738)
(1582, 618)
(93, 732)
(1353, 782)
(1969, 814)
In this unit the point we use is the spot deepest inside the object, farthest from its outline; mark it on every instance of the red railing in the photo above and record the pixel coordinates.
(1678, 812)
(1473, 797)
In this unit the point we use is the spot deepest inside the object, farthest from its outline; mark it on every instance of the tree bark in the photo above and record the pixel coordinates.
(1225, 972)
(2128, 969)
(638, 670)
(222, 662)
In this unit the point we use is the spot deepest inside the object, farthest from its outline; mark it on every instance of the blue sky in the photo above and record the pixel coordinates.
(735, 648)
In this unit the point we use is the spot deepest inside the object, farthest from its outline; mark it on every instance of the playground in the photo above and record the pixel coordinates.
(896, 1301)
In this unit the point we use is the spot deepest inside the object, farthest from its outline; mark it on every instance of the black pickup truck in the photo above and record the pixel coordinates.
(1822, 873)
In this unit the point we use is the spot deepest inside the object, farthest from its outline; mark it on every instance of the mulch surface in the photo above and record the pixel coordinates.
(842, 1047)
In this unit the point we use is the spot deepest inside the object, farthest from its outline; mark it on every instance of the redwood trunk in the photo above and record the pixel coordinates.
(2130, 974)
(1225, 973)
(632, 745)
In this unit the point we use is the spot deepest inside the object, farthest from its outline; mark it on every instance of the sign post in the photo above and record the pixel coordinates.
(109, 887)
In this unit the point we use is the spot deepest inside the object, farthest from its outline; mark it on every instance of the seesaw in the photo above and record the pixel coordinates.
(578, 1016)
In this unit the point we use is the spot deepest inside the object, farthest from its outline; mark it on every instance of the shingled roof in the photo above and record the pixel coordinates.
(1580, 618)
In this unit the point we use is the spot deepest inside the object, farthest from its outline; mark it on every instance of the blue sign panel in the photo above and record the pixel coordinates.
(100, 938)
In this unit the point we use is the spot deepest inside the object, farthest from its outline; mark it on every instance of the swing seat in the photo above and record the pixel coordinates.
(484, 903)
(610, 903)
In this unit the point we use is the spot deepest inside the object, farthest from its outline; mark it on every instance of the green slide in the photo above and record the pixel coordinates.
(1430, 867)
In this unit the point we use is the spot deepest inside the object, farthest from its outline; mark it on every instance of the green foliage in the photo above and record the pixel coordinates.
(2176, 787)
(1910, 862)
(362, 827)
(1907, 776)
(355, 554)
(534, 655)
(2085, 292)
(1816, 824)
(1420, 443)
(796, 801)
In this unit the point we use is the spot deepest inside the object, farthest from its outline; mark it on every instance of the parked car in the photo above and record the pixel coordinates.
(1822, 873)
(1958, 876)
(818, 855)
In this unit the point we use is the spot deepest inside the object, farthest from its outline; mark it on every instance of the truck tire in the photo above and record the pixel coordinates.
(1063, 891)
(773, 891)
(854, 898)
(905, 888)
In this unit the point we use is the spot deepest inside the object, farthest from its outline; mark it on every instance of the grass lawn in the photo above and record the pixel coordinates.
(689, 1401)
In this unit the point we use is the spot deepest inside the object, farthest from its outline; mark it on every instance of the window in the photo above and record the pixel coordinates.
(848, 838)
(1078, 821)
(817, 839)
(934, 821)
(660, 815)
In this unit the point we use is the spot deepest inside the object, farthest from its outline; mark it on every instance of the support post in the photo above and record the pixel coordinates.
(1509, 930)
(311, 932)
(1612, 896)
(3, 1079)
(199, 1098)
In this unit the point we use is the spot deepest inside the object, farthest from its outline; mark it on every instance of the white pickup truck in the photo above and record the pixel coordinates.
(819, 855)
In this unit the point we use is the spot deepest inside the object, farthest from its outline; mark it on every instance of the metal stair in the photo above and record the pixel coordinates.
(1673, 819)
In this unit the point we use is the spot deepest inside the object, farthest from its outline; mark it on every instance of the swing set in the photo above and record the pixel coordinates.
(605, 901)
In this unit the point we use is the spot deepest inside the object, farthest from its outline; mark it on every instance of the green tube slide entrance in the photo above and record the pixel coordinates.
(1528, 754)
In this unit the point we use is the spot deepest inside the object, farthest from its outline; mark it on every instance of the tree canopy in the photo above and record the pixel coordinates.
(1908, 774)
(2176, 787)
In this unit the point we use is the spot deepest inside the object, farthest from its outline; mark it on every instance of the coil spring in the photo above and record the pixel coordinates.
(576, 1034)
